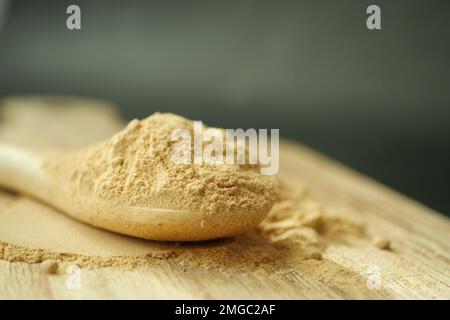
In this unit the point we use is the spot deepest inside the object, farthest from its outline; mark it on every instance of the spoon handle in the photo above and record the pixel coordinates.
(21, 171)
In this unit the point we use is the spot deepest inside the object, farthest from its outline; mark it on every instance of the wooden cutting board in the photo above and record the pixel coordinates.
(417, 267)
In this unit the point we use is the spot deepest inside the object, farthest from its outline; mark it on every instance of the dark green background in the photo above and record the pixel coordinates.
(378, 101)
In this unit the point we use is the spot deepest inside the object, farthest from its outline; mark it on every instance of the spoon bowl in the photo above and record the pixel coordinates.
(22, 171)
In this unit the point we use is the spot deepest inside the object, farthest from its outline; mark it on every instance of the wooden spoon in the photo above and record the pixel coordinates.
(22, 171)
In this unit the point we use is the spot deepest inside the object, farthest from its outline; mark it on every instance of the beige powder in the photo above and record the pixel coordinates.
(297, 216)
(136, 167)
(382, 243)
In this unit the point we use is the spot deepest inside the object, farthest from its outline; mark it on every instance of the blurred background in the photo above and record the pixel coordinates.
(378, 101)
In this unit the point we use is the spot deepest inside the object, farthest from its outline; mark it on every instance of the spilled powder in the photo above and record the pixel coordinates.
(297, 216)
(295, 223)
(382, 243)
(50, 266)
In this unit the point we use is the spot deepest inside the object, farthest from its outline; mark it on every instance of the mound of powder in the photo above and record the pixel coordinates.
(136, 168)
(297, 216)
